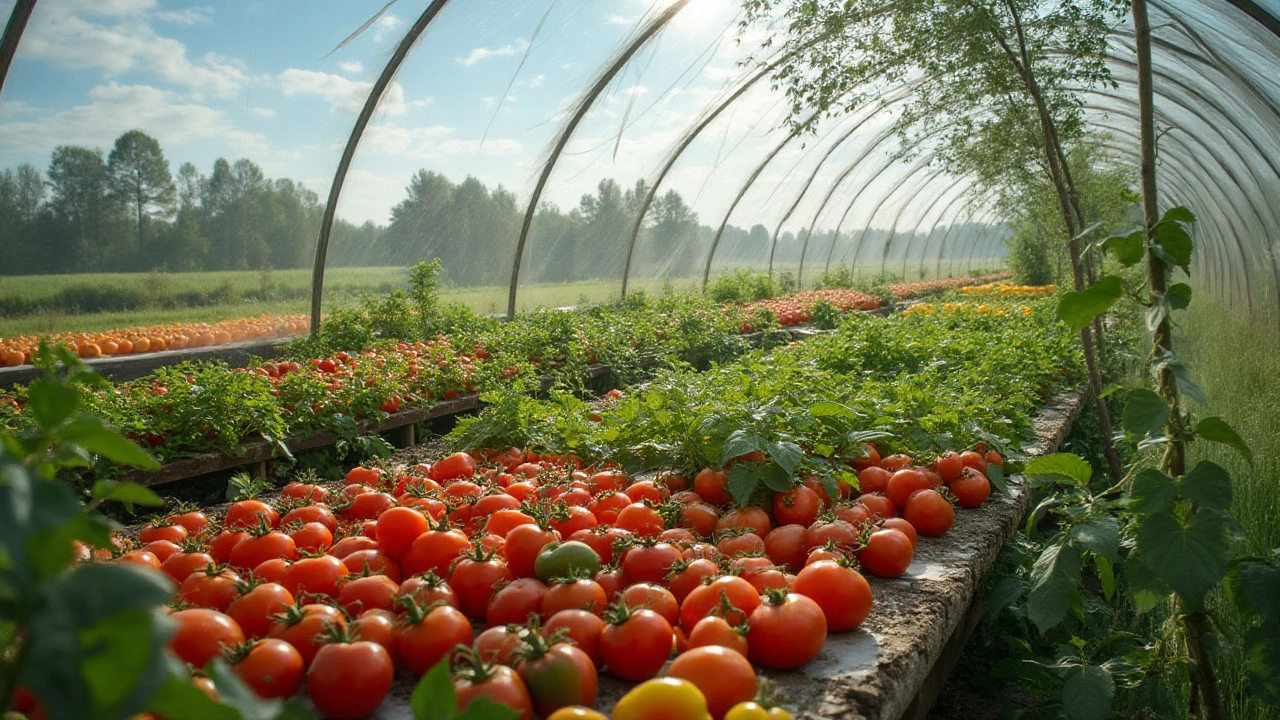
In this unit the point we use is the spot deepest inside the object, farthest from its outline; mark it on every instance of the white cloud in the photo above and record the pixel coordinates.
(619, 20)
(480, 54)
(127, 43)
(263, 112)
(113, 109)
(341, 93)
(351, 67)
(187, 16)
(496, 147)
(386, 140)
(384, 26)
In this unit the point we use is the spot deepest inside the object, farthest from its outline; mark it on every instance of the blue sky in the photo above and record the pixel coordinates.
(255, 78)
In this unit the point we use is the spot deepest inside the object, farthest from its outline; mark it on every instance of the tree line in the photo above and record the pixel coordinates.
(126, 212)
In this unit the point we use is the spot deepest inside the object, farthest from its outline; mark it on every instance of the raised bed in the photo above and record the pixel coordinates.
(894, 665)
(122, 368)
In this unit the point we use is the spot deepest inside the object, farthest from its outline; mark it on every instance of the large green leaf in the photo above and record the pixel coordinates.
(1087, 693)
(830, 408)
(1100, 535)
(1126, 249)
(1145, 413)
(1191, 559)
(1262, 658)
(1215, 429)
(1178, 214)
(1178, 295)
(104, 490)
(774, 477)
(1153, 492)
(739, 443)
(1207, 484)
(1145, 588)
(743, 481)
(787, 454)
(51, 402)
(1176, 243)
(178, 699)
(1078, 309)
(91, 434)
(1054, 579)
(1071, 467)
(1254, 586)
(434, 697)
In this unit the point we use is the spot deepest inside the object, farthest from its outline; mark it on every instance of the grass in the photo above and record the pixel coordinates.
(1238, 364)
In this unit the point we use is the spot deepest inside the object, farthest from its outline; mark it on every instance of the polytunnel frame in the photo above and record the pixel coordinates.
(1212, 150)
(13, 30)
(353, 141)
(1201, 191)
(639, 39)
(924, 251)
(921, 164)
(957, 180)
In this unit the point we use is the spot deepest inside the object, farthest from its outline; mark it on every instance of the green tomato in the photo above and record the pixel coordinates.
(566, 559)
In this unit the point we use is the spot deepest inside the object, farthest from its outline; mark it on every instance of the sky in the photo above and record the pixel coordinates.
(483, 93)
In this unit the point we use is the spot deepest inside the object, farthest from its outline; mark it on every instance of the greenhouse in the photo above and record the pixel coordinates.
(640, 359)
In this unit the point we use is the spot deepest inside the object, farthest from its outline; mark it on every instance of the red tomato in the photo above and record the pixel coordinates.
(879, 505)
(873, 479)
(300, 626)
(397, 528)
(454, 467)
(370, 592)
(515, 602)
(581, 627)
(315, 575)
(649, 563)
(434, 551)
(247, 513)
(729, 596)
(211, 588)
(842, 593)
(474, 579)
(798, 506)
(786, 631)
(523, 543)
(712, 486)
(349, 680)
(635, 643)
(930, 513)
(200, 634)
(902, 484)
(428, 635)
(253, 610)
(888, 553)
(971, 488)
(271, 668)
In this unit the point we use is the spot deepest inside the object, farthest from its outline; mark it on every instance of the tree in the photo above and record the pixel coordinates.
(140, 178)
(83, 209)
(993, 88)
(189, 185)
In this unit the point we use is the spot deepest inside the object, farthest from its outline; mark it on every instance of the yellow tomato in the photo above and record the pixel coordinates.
(576, 713)
(755, 711)
(662, 699)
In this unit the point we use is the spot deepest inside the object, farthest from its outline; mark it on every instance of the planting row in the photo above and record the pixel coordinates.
(22, 350)
(725, 517)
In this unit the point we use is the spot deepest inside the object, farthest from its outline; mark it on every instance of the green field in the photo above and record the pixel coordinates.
(38, 304)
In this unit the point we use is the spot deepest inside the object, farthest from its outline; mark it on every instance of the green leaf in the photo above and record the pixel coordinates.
(127, 492)
(124, 647)
(1190, 560)
(51, 402)
(1126, 249)
(787, 454)
(1064, 465)
(995, 475)
(1208, 485)
(1153, 492)
(1178, 214)
(743, 481)
(1145, 413)
(1054, 578)
(434, 697)
(178, 699)
(233, 692)
(1106, 574)
(830, 408)
(1078, 309)
(1087, 693)
(1215, 429)
(1175, 241)
(774, 477)
(1178, 295)
(739, 443)
(1262, 658)
(1255, 589)
(91, 434)
(1101, 536)
(1145, 588)
(482, 708)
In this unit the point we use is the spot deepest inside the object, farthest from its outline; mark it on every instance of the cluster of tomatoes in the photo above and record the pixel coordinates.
(795, 309)
(902, 291)
(530, 574)
(154, 338)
